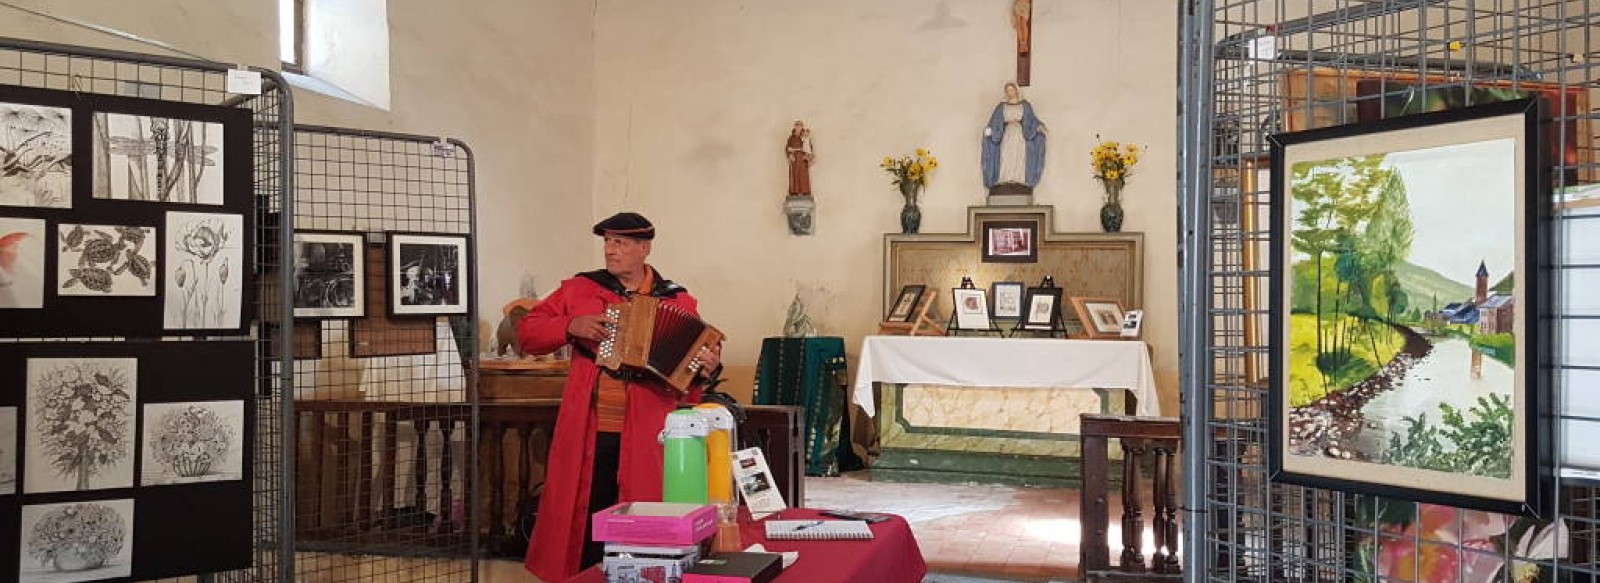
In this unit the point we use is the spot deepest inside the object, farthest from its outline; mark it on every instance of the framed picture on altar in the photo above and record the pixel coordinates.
(1042, 309)
(1007, 297)
(1102, 318)
(1430, 382)
(1011, 242)
(905, 306)
(972, 308)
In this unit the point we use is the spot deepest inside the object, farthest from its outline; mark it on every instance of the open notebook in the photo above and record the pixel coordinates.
(818, 530)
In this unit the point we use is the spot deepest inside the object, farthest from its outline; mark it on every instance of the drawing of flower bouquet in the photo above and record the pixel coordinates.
(202, 277)
(102, 256)
(77, 537)
(84, 414)
(190, 439)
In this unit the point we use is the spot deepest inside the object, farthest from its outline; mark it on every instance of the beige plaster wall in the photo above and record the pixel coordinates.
(695, 99)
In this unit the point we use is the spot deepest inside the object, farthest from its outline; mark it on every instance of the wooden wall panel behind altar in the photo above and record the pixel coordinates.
(1104, 265)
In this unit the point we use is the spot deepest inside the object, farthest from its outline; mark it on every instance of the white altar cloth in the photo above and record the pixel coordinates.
(1007, 362)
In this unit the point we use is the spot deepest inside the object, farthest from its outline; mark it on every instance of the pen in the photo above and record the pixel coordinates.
(808, 525)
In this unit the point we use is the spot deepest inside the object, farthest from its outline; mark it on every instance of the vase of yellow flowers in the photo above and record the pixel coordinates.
(911, 176)
(1112, 164)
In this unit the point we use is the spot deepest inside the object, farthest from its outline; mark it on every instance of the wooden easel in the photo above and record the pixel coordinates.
(921, 325)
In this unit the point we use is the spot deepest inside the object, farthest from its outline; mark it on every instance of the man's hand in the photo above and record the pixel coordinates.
(590, 327)
(710, 359)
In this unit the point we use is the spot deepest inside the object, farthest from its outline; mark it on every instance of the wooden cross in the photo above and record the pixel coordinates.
(1022, 20)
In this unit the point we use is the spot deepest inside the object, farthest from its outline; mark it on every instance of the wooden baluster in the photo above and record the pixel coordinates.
(364, 482)
(1169, 510)
(1158, 503)
(419, 466)
(1132, 507)
(1095, 552)
(390, 469)
(308, 472)
(447, 427)
(496, 436)
(343, 493)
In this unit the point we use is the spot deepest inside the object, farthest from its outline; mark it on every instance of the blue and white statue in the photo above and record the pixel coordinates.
(1013, 146)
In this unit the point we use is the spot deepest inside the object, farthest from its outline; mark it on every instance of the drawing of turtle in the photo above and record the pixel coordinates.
(93, 278)
(137, 265)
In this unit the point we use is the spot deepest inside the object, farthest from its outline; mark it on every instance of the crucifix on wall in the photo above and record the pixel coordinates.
(1022, 20)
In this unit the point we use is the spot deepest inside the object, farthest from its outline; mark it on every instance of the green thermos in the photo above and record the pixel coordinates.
(683, 441)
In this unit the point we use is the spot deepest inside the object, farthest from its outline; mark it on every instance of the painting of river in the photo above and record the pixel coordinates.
(1402, 305)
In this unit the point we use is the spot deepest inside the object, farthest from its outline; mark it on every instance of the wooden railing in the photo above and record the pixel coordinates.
(350, 453)
(1158, 438)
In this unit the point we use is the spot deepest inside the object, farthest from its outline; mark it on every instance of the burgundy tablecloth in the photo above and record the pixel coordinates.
(892, 556)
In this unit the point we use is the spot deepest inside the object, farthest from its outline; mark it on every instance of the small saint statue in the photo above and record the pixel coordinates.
(798, 206)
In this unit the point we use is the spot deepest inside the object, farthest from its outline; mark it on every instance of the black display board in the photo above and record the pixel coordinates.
(142, 316)
(178, 528)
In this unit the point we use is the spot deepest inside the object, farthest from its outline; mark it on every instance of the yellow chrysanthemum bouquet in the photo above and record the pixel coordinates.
(1113, 163)
(910, 172)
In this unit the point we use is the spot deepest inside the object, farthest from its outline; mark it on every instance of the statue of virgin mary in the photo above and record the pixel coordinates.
(1013, 146)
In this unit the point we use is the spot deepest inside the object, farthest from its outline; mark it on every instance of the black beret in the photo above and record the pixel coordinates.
(631, 225)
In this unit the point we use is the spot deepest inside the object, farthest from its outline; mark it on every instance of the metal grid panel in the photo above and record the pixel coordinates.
(385, 410)
(1245, 527)
(50, 66)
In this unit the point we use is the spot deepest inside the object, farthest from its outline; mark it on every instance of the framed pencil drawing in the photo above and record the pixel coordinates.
(905, 304)
(1407, 358)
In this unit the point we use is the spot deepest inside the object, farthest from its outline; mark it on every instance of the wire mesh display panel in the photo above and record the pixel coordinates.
(385, 345)
(93, 71)
(1253, 68)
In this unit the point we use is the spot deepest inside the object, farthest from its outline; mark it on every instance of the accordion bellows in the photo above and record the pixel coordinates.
(657, 338)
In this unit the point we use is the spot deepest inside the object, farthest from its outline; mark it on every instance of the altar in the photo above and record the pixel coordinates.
(997, 410)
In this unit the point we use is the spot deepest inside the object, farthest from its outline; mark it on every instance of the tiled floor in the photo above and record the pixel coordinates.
(1022, 534)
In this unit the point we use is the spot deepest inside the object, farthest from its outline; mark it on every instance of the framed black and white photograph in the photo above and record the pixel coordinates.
(22, 246)
(905, 305)
(205, 271)
(1010, 242)
(330, 275)
(76, 541)
(1132, 323)
(8, 450)
(80, 424)
(105, 260)
(1042, 308)
(157, 159)
(972, 309)
(428, 274)
(192, 442)
(1007, 297)
(35, 156)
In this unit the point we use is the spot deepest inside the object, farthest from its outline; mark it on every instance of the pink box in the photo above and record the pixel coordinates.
(655, 523)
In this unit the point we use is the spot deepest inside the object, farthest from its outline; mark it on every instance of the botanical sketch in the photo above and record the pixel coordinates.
(80, 424)
(22, 246)
(192, 442)
(8, 450)
(430, 274)
(157, 159)
(106, 260)
(35, 156)
(205, 253)
(329, 280)
(77, 541)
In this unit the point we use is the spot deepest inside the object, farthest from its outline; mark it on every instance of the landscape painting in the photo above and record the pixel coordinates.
(1401, 315)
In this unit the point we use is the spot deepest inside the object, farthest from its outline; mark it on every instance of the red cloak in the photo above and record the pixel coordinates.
(556, 548)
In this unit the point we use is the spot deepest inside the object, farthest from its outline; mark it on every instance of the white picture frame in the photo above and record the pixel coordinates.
(428, 274)
(330, 275)
(972, 308)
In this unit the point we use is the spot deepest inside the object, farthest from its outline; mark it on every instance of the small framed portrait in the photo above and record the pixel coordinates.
(972, 308)
(905, 306)
(1042, 308)
(1102, 318)
(1007, 297)
(428, 274)
(1011, 242)
(330, 275)
(1132, 323)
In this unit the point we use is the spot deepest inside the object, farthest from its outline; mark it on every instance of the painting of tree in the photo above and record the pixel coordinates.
(80, 424)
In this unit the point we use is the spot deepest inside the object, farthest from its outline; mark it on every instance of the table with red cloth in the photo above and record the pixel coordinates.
(892, 556)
